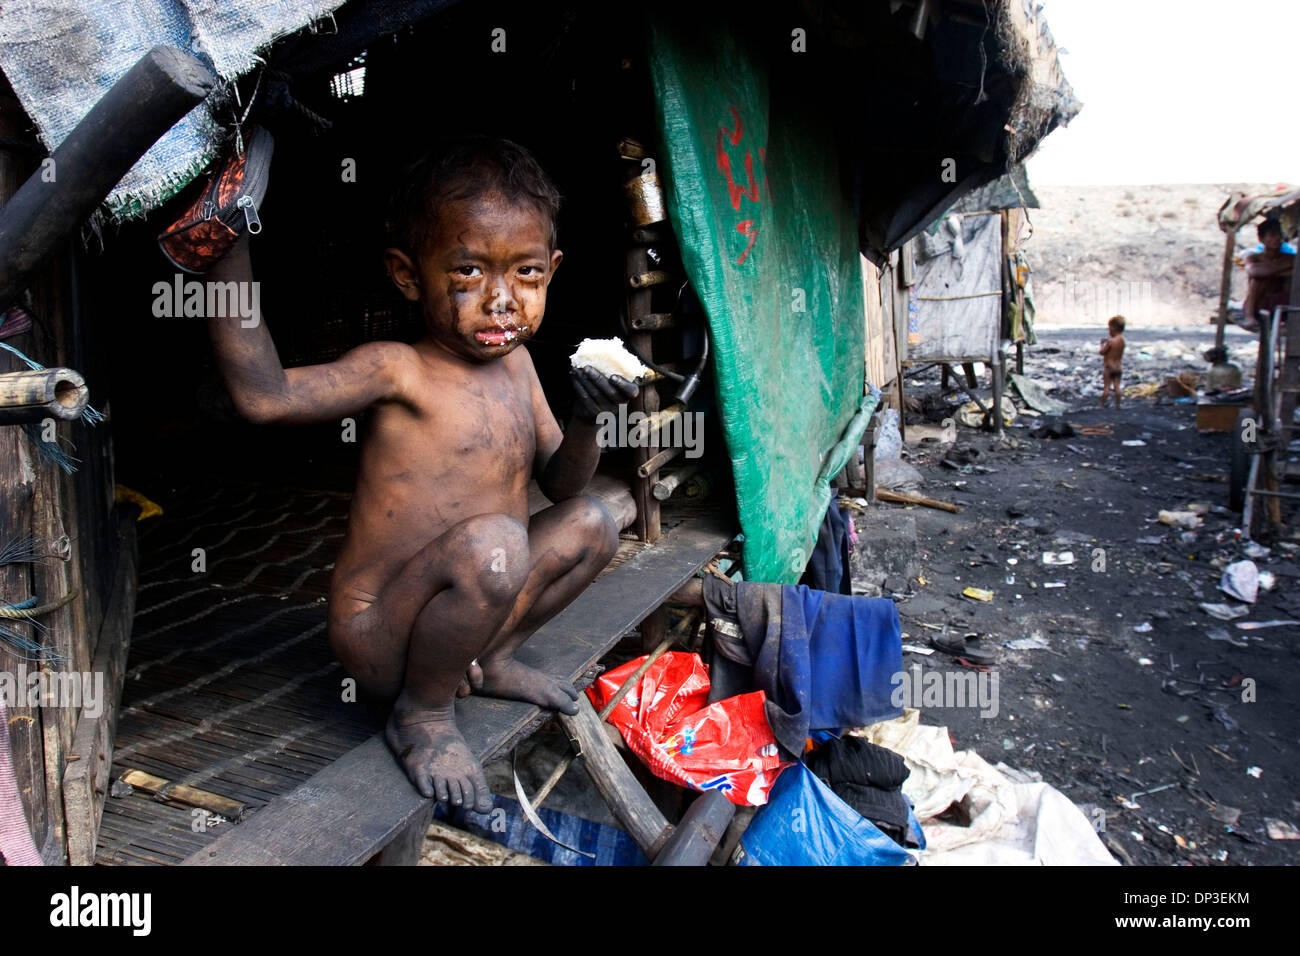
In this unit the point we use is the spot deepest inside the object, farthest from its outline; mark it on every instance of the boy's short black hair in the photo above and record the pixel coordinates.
(1268, 227)
(464, 167)
(1117, 321)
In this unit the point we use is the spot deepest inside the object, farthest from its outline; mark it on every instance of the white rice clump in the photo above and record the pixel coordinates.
(608, 357)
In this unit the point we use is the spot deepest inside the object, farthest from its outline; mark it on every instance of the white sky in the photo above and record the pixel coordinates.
(1175, 91)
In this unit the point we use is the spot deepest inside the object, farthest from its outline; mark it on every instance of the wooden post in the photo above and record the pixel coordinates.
(634, 809)
(998, 371)
(86, 780)
(17, 496)
(405, 848)
(1225, 285)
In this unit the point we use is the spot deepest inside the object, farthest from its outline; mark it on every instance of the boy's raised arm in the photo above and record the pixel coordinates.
(265, 392)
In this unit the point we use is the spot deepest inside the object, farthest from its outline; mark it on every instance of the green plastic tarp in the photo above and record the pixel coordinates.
(769, 241)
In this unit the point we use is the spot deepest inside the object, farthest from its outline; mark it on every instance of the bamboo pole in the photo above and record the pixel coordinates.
(33, 395)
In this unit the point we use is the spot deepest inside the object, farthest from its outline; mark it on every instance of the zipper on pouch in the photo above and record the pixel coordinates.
(250, 214)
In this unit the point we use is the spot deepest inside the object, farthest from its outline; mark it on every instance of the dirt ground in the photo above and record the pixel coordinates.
(1153, 251)
(1134, 703)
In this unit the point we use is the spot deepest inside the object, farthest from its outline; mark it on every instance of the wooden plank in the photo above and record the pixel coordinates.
(347, 812)
(622, 792)
(86, 780)
(405, 848)
(50, 583)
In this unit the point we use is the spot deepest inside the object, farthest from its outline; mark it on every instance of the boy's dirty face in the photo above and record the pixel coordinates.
(482, 276)
(1272, 241)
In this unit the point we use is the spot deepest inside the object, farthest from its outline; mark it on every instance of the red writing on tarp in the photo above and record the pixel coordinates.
(735, 192)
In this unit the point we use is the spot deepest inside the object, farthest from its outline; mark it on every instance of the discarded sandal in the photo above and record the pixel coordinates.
(963, 645)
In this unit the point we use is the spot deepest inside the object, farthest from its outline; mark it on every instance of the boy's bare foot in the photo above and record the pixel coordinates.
(510, 679)
(437, 759)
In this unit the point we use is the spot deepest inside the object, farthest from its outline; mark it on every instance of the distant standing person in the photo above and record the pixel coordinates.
(1268, 275)
(1112, 353)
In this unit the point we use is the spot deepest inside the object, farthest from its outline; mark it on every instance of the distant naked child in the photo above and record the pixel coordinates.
(1112, 353)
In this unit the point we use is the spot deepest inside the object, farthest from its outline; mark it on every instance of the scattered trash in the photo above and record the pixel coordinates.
(683, 738)
(1226, 814)
(1058, 557)
(1267, 579)
(917, 649)
(1241, 580)
(1255, 772)
(1220, 856)
(1094, 429)
(1223, 717)
(1143, 628)
(977, 594)
(895, 474)
(1254, 550)
(1053, 584)
(1221, 634)
(1260, 625)
(120, 788)
(1032, 643)
(1182, 385)
(1281, 830)
(1137, 836)
(1035, 395)
(1134, 443)
(1150, 539)
(972, 415)
(1225, 612)
(1053, 429)
(1145, 661)
(889, 440)
(1180, 519)
(1145, 390)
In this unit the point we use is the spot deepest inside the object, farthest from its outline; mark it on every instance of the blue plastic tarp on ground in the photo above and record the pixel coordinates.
(805, 824)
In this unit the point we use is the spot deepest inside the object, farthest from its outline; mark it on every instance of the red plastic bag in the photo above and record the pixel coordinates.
(668, 722)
